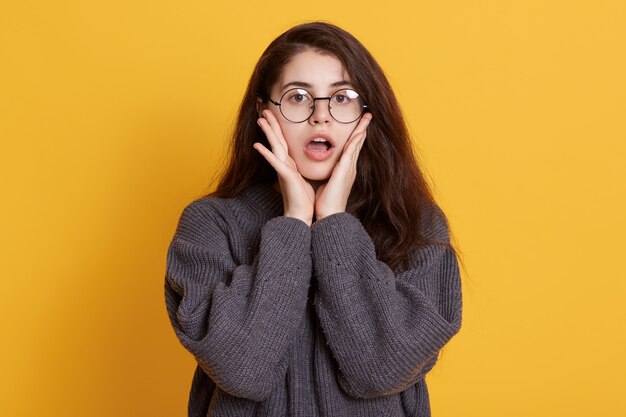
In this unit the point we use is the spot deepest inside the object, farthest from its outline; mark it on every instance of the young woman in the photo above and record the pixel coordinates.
(318, 279)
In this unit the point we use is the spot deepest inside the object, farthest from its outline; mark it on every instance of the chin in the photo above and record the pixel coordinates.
(316, 175)
(321, 178)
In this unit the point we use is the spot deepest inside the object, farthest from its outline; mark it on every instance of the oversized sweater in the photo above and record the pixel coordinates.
(286, 319)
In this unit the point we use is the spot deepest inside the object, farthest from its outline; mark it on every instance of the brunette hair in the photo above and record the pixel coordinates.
(390, 195)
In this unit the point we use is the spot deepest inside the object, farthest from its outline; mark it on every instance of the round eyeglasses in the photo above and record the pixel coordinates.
(297, 105)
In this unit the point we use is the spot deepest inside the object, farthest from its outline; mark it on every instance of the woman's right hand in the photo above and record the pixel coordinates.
(298, 194)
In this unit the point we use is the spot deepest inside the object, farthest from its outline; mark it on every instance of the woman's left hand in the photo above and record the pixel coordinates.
(332, 197)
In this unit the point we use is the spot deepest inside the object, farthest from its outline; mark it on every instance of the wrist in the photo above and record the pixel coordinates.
(306, 219)
(320, 216)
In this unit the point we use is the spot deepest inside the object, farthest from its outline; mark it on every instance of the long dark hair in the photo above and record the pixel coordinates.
(390, 195)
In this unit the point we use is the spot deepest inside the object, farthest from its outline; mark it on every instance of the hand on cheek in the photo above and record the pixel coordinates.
(298, 194)
(332, 197)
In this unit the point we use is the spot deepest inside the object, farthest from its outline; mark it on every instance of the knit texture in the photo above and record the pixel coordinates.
(284, 319)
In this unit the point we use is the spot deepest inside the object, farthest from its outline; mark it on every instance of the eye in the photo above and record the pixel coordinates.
(340, 99)
(298, 96)
(345, 96)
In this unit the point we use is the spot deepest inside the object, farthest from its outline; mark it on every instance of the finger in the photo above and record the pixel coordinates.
(359, 145)
(363, 124)
(356, 154)
(275, 143)
(353, 147)
(359, 135)
(358, 131)
(271, 158)
(273, 123)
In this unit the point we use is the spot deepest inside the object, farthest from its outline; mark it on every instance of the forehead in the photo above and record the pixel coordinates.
(311, 67)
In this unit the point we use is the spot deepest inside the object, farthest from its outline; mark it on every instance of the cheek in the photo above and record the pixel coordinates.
(345, 134)
(290, 132)
(275, 111)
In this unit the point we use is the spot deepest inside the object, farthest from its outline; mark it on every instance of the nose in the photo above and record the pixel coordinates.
(320, 115)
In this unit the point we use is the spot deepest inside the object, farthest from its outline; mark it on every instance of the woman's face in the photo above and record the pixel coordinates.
(321, 75)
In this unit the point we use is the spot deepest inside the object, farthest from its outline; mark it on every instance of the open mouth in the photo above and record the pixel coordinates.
(318, 145)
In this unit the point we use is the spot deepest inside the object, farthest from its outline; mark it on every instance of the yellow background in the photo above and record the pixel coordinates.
(115, 114)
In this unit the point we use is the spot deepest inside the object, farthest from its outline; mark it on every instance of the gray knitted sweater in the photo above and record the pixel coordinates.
(284, 319)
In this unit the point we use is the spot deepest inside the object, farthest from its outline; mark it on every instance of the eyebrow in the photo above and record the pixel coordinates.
(307, 85)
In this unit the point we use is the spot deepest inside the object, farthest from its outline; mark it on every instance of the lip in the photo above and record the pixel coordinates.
(319, 155)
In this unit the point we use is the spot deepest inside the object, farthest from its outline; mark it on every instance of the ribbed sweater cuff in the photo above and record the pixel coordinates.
(287, 239)
(340, 242)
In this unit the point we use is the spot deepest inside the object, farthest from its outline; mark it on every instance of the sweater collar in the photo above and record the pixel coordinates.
(264, 198)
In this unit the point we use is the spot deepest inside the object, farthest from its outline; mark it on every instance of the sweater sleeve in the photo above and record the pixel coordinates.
(236, 319)
(384, 330)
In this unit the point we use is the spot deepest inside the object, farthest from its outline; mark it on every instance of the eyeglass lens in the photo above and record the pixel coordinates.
(298, 104)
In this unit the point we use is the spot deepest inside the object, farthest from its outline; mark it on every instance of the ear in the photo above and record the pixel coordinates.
(260, 106)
